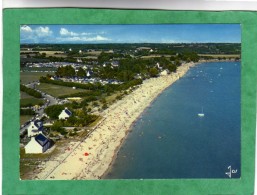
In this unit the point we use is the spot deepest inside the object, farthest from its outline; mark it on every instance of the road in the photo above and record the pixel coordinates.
(49, 100)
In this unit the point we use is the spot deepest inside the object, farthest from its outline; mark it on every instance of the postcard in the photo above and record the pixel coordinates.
(119, 98)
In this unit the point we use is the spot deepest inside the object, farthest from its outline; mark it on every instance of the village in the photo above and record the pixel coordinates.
(39, 143)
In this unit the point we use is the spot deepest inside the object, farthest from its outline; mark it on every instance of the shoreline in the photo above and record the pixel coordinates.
(129, 129)
(108, 136)
(189, 65)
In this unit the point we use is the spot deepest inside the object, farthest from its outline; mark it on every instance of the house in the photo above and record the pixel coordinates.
(65, 114)
(37, 144)
(165, 72)
(35, 127)
(115, 64)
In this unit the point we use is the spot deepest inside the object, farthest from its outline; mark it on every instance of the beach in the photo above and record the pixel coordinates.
(92, 157)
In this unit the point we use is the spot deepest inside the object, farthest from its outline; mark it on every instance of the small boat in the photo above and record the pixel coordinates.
(201, 114)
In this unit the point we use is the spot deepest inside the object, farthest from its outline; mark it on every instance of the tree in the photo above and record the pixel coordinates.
(126, 75)
(66, 71)
(74, 105)
(172, 58)
(104, 57)
(153, 72)
(48, 76)
(57, 126)
(43, 55)
(27, 112)
(81, 72)
(71, 120)
(54, 111)
(189, 56)
(30, 91)
(60, 71)
(163, 61)
(69, 71)
(171, 67)
(177, 62)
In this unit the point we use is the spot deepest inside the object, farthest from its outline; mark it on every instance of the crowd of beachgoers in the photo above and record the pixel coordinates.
(92, 157)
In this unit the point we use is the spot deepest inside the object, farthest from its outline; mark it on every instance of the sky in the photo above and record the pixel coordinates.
(148, 33)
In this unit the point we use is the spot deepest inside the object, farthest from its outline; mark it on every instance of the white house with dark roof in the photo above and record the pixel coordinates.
(65, 114)
(37, 144)
(35, 127)
(115, 63)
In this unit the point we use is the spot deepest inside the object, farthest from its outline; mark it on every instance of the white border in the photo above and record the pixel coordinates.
(1, 94)
(215, 5)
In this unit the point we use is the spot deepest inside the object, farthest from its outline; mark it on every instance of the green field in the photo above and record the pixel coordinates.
(57, 90)
(24, 118)
(156, 56)
(59, 54)
(24, 95)
(30, 102)
(27, 77)
(221, 55)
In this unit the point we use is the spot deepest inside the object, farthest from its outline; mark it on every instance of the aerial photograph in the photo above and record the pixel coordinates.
(137, 101)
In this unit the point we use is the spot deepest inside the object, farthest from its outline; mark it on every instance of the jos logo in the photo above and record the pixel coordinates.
(231, 171)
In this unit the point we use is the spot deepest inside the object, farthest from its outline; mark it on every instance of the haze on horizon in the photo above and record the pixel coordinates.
(147, 33)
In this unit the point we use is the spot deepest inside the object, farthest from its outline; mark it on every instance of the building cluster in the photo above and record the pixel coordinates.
(51, 64)
(39, 142)
(87, 80)
(112, 63)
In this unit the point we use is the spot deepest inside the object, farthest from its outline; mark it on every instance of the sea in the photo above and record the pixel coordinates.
(170, 140)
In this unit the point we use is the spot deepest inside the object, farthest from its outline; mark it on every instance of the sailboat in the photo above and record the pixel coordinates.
(201, 114)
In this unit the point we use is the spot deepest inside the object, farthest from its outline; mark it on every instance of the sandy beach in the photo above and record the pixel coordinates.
(91, 158)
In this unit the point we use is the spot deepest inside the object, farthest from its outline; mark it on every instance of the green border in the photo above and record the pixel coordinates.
(13, 18)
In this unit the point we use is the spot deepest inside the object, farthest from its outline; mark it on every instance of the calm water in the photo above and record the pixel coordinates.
(170, 140)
